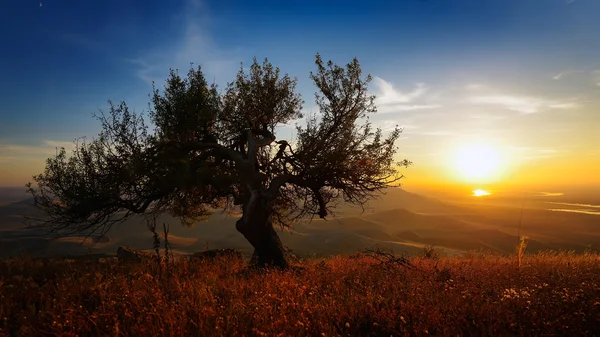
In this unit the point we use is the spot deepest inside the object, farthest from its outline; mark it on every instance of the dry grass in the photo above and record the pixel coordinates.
(550, 294)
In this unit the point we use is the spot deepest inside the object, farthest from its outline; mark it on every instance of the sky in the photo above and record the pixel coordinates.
(503, 92)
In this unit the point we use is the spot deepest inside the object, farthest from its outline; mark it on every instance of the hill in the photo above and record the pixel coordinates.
(401, 220)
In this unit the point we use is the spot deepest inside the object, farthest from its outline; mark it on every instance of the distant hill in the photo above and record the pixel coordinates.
(400, 220)
(25, 203)
(395, 198)
(10, 195)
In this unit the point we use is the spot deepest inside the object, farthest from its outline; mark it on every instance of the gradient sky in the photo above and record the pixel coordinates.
(520, 76)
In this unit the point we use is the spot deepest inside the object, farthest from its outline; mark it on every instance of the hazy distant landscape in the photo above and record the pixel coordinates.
(400, 220)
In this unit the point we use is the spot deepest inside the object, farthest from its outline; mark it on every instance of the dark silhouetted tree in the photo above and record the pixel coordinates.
(214, 150)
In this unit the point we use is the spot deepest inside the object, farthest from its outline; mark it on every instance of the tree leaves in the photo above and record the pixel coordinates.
(211, 149)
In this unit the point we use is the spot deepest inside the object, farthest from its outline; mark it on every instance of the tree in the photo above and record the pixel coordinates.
(214, 150)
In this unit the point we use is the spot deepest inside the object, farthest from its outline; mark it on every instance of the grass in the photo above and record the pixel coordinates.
(541, 294)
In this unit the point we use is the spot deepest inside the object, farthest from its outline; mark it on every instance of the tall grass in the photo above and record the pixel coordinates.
(521, 247)
(558, 294)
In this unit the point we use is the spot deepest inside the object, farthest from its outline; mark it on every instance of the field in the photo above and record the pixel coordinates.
(361, 295)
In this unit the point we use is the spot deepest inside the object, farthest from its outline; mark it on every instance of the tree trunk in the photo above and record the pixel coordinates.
(257, 228)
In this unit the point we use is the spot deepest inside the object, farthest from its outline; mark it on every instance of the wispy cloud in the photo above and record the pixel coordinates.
(573, 204)
(529, 153)
(597, 77)
(565, 73)
(193, 45)
(475, 87)
(523, 104)
(436, 133)
(558, 76)
(569, 105)
(550, 194)
(412, 107)
(390, 99)
(389, 95)
(590, 212)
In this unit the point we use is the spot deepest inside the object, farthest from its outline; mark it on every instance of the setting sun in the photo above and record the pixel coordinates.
(477, 163)
(480, 193)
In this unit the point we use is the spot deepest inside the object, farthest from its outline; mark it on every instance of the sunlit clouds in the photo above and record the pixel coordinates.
(389, 96)
(523, 104)
(390, 99)
(550, 194)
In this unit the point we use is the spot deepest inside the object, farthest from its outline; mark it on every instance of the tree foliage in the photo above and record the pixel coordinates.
(218, 150)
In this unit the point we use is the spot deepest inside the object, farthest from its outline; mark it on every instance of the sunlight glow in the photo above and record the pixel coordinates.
(477, 163)
(480, 193)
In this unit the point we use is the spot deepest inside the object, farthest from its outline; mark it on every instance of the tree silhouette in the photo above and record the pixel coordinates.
(212, 150)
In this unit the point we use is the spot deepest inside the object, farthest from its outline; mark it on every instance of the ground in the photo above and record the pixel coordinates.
(549, 293)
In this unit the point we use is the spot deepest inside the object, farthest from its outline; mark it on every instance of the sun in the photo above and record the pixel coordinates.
(480, 193)
(477, 163)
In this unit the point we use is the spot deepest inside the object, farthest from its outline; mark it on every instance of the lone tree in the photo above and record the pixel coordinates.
(212, 150)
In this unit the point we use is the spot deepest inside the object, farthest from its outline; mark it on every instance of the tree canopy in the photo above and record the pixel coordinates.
(219, 150)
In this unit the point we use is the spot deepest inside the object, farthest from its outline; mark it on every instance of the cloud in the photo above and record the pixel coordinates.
(520, 104)
(597, 78)
(573, 204)
(565, 73)
(390, 99)
(416, 107)
(523, 104)
(390, 96)
(193, 44)
(436, 133)
(529, 153)
(475, 87)
(569, 105)
(550, 194)
(558, 76)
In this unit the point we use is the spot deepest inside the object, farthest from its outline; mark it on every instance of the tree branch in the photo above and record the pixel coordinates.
(233, 155)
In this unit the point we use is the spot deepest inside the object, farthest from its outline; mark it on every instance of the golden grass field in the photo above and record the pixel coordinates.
(550, 294)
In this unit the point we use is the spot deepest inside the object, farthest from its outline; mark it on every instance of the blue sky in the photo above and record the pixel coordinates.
(449, 71)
